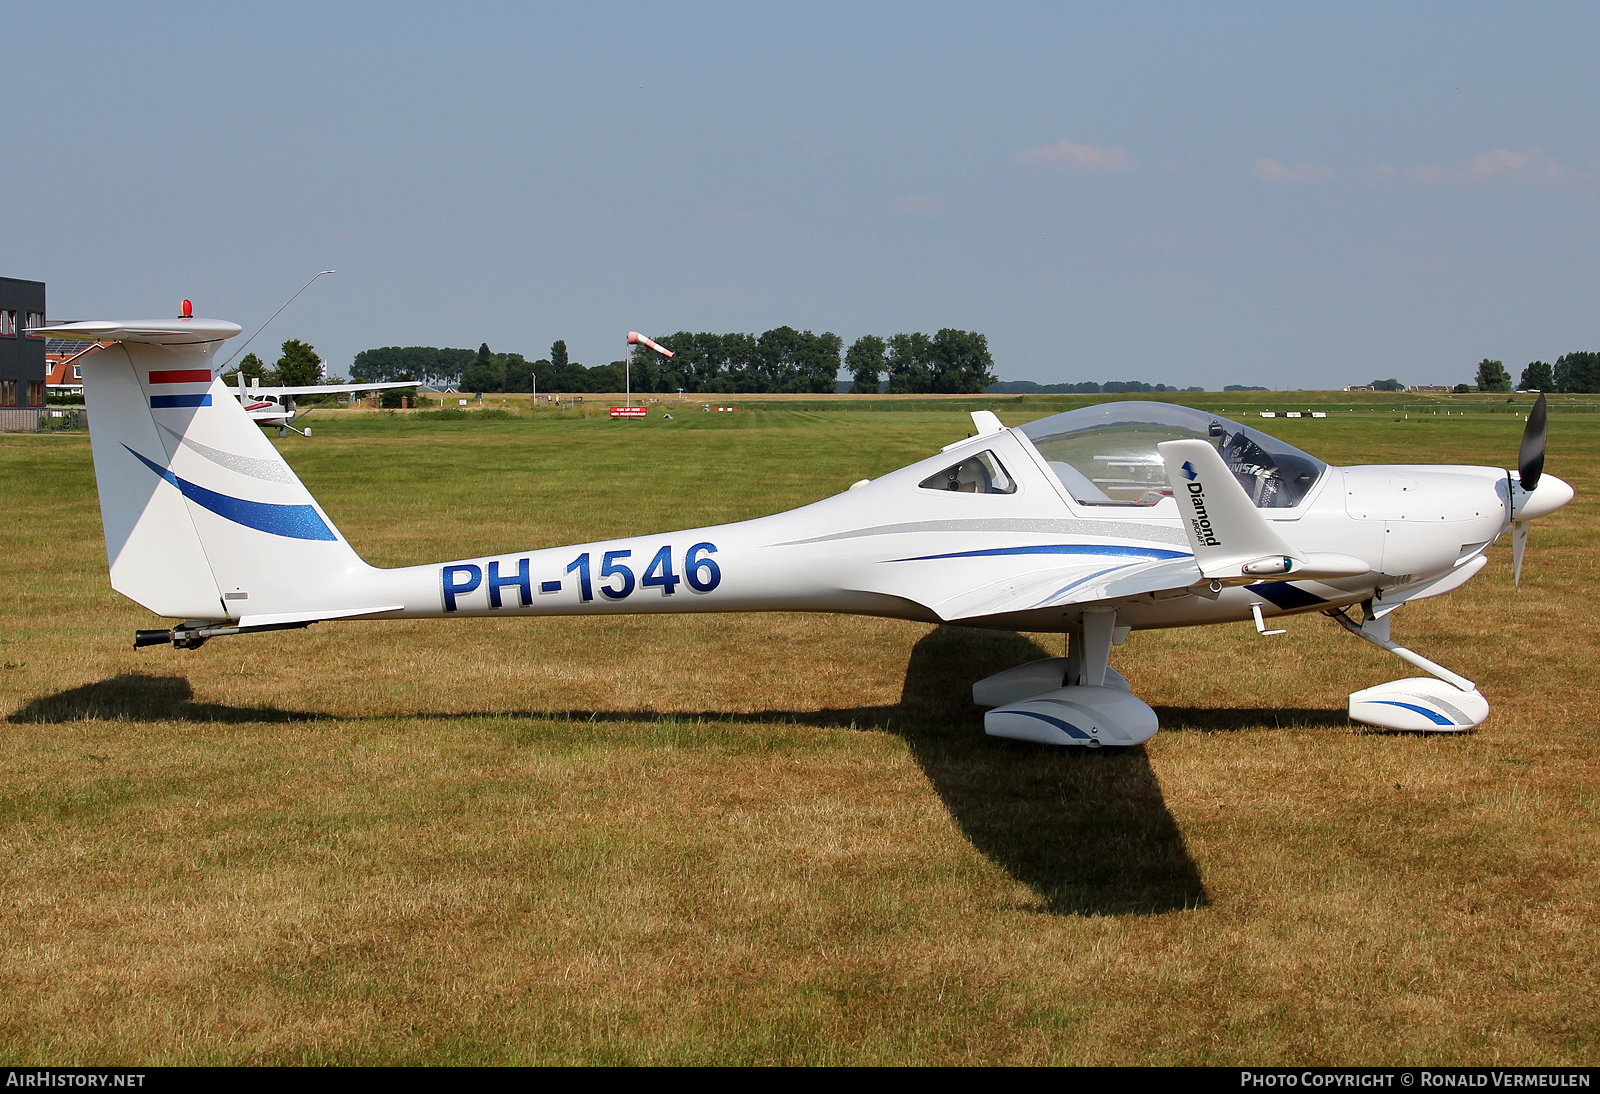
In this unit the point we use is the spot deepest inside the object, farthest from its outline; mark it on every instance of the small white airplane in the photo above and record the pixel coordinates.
(1095, 522)
(275, 406)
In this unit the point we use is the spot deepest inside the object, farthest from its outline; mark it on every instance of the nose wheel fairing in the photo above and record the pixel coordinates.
(1421, 704)
(1446, 703)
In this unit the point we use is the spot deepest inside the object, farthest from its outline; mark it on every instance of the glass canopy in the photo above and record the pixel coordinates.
(1106, 454)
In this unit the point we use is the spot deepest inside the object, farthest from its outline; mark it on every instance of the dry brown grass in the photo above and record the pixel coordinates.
(772, 838)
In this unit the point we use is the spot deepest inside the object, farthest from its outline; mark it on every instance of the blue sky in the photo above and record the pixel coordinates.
(1280, 194)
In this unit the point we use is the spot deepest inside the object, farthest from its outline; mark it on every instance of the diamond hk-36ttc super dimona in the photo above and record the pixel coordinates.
(1116, 517)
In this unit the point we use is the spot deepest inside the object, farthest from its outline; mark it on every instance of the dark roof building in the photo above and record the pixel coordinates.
(22, 369)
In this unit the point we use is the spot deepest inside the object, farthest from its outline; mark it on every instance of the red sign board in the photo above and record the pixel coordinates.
(629, 412)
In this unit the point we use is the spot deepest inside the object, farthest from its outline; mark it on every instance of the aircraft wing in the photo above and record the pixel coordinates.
(1060, 587)
(330, 389)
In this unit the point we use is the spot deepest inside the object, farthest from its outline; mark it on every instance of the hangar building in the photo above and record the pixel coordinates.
(22, 371)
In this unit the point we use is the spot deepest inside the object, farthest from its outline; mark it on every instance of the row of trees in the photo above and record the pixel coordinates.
(439, 367)
(491, 371)
(480, 370)
(1110, 387)
(952, 362)
(786, 360)
(780, 360)
(1572, 372)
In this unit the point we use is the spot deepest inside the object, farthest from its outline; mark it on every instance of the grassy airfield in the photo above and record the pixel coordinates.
(777, 838)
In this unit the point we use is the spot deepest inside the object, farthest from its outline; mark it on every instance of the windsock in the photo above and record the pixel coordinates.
(637, 339)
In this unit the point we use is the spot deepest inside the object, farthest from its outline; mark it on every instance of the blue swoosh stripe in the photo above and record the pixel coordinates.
(290, 521)
(1058, 549)
(165, 402)
(1436, 719)
(1066, 727)
(1073, 585)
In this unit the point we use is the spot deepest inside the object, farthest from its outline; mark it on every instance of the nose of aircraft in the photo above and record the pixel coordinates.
(1548, 494)
(1545, 498)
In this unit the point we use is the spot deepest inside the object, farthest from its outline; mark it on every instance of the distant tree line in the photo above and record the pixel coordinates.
(952, 362)
(1573, 372)
(484, 370)
(784, 359)
(1110, 387)
(780, 360)
(439, 367)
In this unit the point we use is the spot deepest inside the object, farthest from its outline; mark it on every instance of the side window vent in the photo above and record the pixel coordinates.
(980, 474)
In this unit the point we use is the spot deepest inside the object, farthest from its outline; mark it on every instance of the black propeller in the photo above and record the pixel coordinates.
(1530, 457)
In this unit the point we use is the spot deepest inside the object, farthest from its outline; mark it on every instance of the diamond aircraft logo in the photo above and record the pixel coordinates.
(1200, 521)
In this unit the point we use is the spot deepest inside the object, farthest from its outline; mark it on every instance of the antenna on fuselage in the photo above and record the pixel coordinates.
(270, 318)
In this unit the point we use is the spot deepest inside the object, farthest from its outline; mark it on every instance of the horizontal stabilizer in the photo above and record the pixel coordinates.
(150, 332)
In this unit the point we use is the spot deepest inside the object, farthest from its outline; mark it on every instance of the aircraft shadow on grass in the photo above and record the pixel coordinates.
(1088, 832)
(138, 697)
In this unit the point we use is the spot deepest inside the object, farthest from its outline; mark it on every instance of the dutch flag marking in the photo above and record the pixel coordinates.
(169, 398)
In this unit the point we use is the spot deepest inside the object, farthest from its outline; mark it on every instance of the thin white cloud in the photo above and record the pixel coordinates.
(1270, 170)
(917, 205)
(1078, 159)
(1501, 167)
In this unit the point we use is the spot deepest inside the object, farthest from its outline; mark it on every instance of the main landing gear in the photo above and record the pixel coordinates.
(1080, 700)
(1073, 700)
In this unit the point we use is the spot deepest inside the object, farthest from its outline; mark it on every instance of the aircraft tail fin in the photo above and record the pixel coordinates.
(203, 518)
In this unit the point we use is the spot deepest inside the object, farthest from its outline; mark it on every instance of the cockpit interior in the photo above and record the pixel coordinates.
(1106, 454)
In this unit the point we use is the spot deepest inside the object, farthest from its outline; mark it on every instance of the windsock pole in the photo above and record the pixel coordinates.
(636, 339)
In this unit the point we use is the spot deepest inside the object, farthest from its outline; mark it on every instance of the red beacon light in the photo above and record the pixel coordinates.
(186, 310)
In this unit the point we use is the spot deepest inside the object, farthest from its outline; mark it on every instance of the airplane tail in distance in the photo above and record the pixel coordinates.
(203, 518)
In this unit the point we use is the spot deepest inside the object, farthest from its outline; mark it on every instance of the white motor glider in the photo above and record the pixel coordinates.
(1116, 517)
(275, 406)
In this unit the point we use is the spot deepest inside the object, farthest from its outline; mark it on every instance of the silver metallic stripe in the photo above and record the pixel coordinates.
(1111, 529)
(266, 470)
